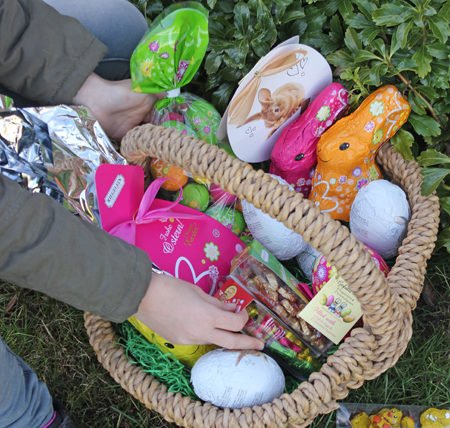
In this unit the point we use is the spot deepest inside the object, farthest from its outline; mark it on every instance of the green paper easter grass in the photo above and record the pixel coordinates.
(163, 367)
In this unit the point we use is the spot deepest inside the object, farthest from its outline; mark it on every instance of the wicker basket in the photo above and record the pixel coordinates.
(387, 303)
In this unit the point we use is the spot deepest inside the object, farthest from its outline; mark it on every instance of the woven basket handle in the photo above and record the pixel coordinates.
(328, 236)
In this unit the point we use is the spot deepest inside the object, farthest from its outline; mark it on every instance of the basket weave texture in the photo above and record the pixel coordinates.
(387, 303)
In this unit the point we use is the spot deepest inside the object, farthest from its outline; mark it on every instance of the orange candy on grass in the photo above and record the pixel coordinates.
(176, 176)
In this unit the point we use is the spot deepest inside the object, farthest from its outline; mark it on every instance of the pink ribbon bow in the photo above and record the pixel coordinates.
(127, 229)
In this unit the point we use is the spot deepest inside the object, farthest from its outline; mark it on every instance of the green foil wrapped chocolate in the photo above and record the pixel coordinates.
(229, 217)
(166, 60)
(190, 113)
(172, 50)
(195, 196)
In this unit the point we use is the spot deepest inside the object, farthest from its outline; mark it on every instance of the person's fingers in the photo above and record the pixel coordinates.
(228, 340)
(230, 321)
(229, 307)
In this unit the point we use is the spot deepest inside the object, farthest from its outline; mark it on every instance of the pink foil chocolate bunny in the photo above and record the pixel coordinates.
(294, 154)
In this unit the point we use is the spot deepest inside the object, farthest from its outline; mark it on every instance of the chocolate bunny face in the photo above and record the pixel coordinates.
(278, 107)
(346, 152)
(294, 154)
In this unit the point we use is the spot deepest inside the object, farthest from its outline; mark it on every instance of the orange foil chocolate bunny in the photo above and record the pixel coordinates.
(346, 152)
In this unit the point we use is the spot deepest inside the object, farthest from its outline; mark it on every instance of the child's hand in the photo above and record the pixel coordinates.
(183, 314)
(114, 104)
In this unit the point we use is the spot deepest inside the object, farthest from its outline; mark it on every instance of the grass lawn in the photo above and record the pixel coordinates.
(50, 336)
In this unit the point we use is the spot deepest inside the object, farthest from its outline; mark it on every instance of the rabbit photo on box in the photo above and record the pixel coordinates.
(346, 152)
(279, 106)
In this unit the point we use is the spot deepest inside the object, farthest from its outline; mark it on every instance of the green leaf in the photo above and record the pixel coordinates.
(380, 47)
(352, 41)
(445, 204)
(391, 14)
(213, 62)
(400, 36)
(242, 18)
(433, 157)
(293, 15)
(368, 35)
(359, 21)
(443, 240)
(346, 8)
(221, 96)
(439, 51)
(423, 60)
(365, 56)
(341, 59)
(403, 142)
(439, 28)
(425, 125)
(432, 177)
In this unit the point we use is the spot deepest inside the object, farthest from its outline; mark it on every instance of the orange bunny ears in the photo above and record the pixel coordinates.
(346, 152)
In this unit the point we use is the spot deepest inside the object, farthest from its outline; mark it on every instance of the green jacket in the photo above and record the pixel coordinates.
(46, 57)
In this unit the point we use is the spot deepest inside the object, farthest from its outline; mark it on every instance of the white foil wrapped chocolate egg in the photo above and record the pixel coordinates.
(379, 217)
(281, 241)
(237, 379)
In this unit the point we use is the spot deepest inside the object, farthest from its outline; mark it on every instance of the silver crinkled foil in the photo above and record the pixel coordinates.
(59, 149)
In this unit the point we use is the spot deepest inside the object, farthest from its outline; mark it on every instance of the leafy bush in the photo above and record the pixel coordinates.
(369, 43)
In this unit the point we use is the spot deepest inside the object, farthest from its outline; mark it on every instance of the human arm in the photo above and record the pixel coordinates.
(45, 248)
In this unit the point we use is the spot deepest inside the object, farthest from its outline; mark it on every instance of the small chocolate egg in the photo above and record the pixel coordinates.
(204, 120)
(176, 176)
(195, 196)
(179, 126)
(228, 216)
(330, 300)
(348, 319)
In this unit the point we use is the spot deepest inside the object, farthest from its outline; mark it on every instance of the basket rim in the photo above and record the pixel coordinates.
(367, 353)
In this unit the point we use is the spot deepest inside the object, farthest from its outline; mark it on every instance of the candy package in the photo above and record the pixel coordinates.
(272, 95)
(179, 240)
(263, 276)
(280, 341)
(363, 415)
(166, 60)
(56, 151)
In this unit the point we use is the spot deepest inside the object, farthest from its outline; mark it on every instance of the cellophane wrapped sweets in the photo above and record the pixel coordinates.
(279, 340)
(273, 285)
(166, 60)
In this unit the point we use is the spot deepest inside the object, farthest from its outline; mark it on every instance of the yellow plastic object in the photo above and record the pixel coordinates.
(408, 422)
(361, 420)
(435, 418)
(187, 354)
(346, 151)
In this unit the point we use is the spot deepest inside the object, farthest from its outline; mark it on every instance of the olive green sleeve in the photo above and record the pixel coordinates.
(44, 56)
(46, 248)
